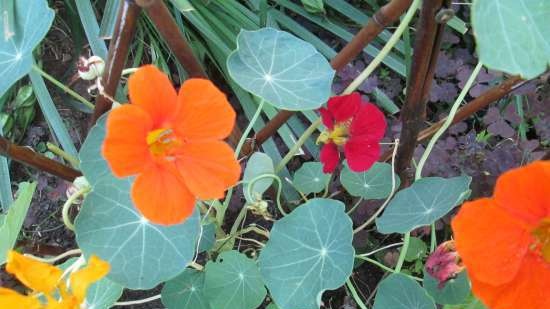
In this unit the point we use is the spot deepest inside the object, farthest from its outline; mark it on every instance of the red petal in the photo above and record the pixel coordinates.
(327, 118)
(361, 154)
(368, 124)
(344, 107)
(151, 89)
(329, 157)
(491, 242)
(125, 146)
(524, 192)
(161, 195)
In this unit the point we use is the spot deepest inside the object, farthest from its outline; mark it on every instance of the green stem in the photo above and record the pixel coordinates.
(448, 121)
(403, 253)
(238, 220)
(299, 143)
(355, 295)
(279, 188)
(63, 87)
(386, 49)
(355, 206)
(59, 152)
(69, 203)
(384, 267)
(223, 209)
(433, 238)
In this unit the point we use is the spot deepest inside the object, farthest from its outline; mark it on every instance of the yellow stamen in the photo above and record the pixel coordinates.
(542, 236)
(338, 135)
(161, 141)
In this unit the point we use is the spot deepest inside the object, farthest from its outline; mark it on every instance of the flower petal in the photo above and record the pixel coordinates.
(13, 300)
(369, 123)
(38, 276)
(125, 145)
(151, 89)
(84, 277)
(161, 195)
(344, 107)
(361, 154)
(491, 243)
(326, 118)
(524, 192)
(204, 112)
(329, 157)
(527, 290)
(208, 168)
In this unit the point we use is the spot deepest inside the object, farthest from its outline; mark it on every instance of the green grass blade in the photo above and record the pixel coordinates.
(6, 197)
(51, 114)
(91, 27)
(108, 21)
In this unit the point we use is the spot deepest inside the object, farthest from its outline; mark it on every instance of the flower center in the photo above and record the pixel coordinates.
(338, 135)
(162, 141)
(542, 236)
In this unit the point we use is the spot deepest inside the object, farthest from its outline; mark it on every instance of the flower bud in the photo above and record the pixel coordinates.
(91, 68)
(444, 263)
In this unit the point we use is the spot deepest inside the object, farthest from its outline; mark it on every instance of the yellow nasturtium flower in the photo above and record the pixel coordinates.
(44, 279)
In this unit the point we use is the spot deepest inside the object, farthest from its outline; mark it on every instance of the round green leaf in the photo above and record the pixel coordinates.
(398, 291)
(417, 249)
(424, 202)
(141, 254)
(33, 19)
(454, 292)
(309, 251)
(258, 164)
(376, 183)
(285, 71)
(186, 291)
(309, 178)
(233, 281)
(513, 35)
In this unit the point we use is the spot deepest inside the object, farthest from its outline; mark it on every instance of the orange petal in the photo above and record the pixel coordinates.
(161, 195)
(208, 168)
(524, 192)
(204, 112)
(527, 290)
(40, 277)
(125, 146)
(84, 277)
(151, 89)
(13, 300)
(491, 243)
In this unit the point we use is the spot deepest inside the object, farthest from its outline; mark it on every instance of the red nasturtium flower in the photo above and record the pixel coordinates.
(173, 143)
(355, 126)
(504, 241)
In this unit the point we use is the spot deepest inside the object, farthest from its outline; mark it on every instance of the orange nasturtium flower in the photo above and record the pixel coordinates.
(45, 279)
(504, 241)
(173, 143)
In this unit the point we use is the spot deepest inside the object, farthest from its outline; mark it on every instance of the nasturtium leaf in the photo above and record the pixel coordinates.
(101, 294)
(398, 291)
(186, 291)
(93, 165)
(454, 292)
(309, 251)
(417, 249)
(11, 222)
(425, 201)
(258, 164)
(375, 183)
(141, 254)
(207, 237)
(234, 281)
(470, 303)
(309, 178)
(33, 19)
(280, 68)
(513, 35)
(272, 306)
